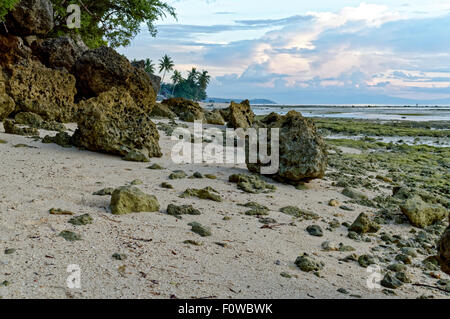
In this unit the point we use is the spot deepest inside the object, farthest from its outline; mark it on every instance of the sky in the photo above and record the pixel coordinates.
(310, 52)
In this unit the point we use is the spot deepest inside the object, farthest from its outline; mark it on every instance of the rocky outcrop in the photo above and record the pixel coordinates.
(154, 79)
(302, 151)
(7, 104)
(12, 50)
(422, 214)
(60, 52)
(241, 115)
(214, 117)
(46, 92)
(186, 110)
(30, 17)
(99, 70)
(444, 251)
(113, 123)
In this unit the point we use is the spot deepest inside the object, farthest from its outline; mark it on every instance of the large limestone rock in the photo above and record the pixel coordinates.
(241, 115)
(186, 110)
(99, 70)
(422, 214)
(60, 52)
(6, 102)
(162, 110)
(214, 117)
(444, 251)
(129, 199)
(302, 151)
(30, 17)
(113, 123)
(154, 79)
(46, 92)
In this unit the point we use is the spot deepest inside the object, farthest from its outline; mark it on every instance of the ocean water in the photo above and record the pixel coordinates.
(384, 113)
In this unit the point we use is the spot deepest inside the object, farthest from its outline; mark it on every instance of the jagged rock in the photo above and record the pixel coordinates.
(302, 151)
(363, 225)
(7, 104)
(307, 264)
(444, 251)
(99, 70)
(214, 117)
(30, 17)
(154, 79)
(46, 92)
(241, 115)
(12, 128)
(112, 123)
(225, 114)
(12, 50)
(200, 230)
(162, 110)
(422, 214)
(186, 110)
(60, 52)
(251, 183)
(130, 199)
(36, 121)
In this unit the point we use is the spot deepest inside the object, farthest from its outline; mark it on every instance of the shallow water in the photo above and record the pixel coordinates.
(415, 114)
(409, 140)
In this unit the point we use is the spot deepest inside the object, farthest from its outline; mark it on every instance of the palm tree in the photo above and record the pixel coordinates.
(176, 78)
(193, 75)
(165, 64)
(149, 66)
(203, 80)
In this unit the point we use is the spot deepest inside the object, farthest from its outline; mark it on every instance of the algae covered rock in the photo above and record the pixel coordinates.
(302, 151)
(84, 219)
(136, 156)
(353, 193)
(70, 235)
(200, 230)
(251, 183)
(130, 199)
(112, 123)
(307, 264)
(47, 92)
(178, 174)
(205, 193)
(186, 110)
(177, 211)
(36, 121)
(298, 213)
(162, 110)
(363, 225)
(241, 115)
(315, 230)
(214, 117)
(12, 128)
(422, 214)
(62, 139)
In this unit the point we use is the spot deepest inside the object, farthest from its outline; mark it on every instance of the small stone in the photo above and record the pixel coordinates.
(333, 203)
(9, 251)
(81, 220)
(330, 246)
(205, 193)
(192, 242)
(104, 192)
(177, 211)
(315, 230)
(404, 259)
(397, 267)
(199, 229)
(299, 213)
(353, 193)
(363, 225)
(409, 251)
(403, 277)
(166, 185)
(210, 176)
(366, 260)
(118, 256)
(197, 175)
(307, 264)
(391, 282)
(343, 291)
(285, 275)
(130, 199)
(267, 221)
(178, 174)
(226, 218)
(69, 235)
(353, 235)
(136, 156)
(155, 166)
(137, 182)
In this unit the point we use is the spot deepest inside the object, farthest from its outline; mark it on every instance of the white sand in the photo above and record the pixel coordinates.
(33, 180)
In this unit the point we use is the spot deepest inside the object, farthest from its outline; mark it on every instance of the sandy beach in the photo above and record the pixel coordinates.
(240, 260)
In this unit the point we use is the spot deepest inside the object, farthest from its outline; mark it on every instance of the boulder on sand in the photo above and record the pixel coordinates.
(130, 199)
(241, 115)
(422, 214)
(302, 151)
(101, 69)
(47, 92)
(30, 17)
(444, 251)
(186, 110)
(113, 123)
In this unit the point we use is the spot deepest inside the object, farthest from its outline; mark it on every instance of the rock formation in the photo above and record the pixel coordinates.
(302, 151)
(186, 110)
(240, 115)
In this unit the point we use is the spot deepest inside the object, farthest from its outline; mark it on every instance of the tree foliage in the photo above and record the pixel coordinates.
(113, 22)
(192, 88)
(6, 6)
